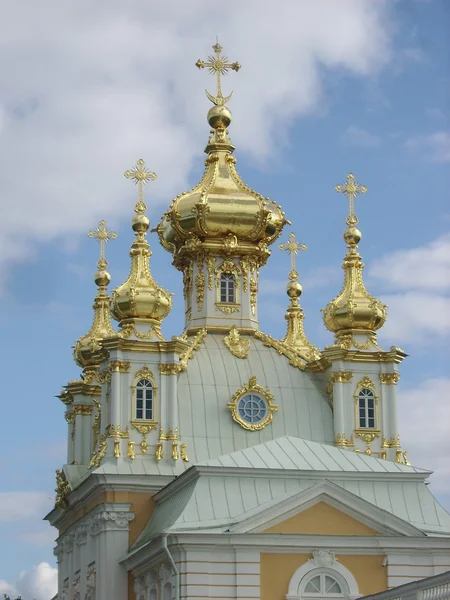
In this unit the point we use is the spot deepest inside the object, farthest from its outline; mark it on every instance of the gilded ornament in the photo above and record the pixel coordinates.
(70, 417)
(341, 440)
(116, 432)
(237, 345)
(96, 424)
(144, 446)
(253, 294)
(244, 264)
(82, 409)
(218, 65)
(210, 265)
(62, 489)
(183, 453)
(116, 448)
(159, 451)
(252, 387)
(200, 286)
(193, 346)
(341, 376)
(227, 308)
(169, 368)
(118, 366)
(174, 450)
(393, 442)
(368, 437)
(389, 378)
(130, 451)
(100, 452)
(66, 397)
(143, 429)
(172, 434)
(104, 376)
(281, 348)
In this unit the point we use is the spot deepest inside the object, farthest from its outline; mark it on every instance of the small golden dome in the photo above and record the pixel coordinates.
(87, 351)
(140, 299)
(294, 289)
(354, 310)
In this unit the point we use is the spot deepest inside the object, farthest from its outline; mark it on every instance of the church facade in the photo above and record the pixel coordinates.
(225, 463)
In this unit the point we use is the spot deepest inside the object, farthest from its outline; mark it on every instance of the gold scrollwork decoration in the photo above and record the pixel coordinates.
(341, 440)
(210, 265)
(169, 368)
(237, 345)
(114, 431)
(253, 294)
(100, 452)
(252, 387)
(227, 308)
(281, 348)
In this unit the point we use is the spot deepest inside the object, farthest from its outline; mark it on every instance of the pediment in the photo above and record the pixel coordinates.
(324, 509)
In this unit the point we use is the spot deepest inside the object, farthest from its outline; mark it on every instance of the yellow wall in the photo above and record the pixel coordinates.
(278, 569)
(322, 519)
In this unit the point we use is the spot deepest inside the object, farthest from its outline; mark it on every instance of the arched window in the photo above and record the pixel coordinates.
(366, 409)
(144, 400)
(167, 592)
(227, 288)
(323, 586)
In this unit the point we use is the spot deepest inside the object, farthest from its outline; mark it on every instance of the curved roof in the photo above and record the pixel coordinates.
(214, 374)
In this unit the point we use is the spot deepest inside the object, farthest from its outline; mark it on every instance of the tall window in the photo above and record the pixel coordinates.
(144, 400)
(227, 288)
(366, 407)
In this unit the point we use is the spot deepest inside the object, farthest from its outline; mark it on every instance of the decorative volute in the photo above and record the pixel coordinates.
(354, 312)
(295, 336)
(87, 350)
(140, 301)
(221, 213)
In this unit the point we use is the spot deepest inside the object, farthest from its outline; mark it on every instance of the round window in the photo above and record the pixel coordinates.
(252, 408)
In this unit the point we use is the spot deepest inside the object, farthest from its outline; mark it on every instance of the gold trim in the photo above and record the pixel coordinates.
(130, 450)
(62, 490)
(341, 440)
(183, 453)
(169, 368)
(248, 388)
(116, 448)
(200, 287)
(228, 308)
(237, 345)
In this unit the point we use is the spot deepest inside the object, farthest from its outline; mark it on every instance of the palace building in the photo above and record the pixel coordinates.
(224, 463)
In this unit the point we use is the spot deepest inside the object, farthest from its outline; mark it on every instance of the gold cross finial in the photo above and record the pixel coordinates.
(140, 175)
(352, 189)
(218, 65)
(292, 247)
(102, 235)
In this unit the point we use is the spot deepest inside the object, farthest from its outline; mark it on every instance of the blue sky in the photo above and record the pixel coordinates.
(365, 91)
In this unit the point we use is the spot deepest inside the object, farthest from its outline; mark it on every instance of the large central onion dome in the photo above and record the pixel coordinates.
(221, 210)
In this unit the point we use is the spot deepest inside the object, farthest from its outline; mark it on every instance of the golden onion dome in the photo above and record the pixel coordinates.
(87, 351)
(221, 206)
(140, 300)
(354, 310)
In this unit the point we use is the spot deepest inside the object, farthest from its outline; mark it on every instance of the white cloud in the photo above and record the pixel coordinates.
(41, 583)
(416, 282)
(426, 408)
(360, 138)
(16, 506)
(434, 147)
(423, 268)
(87, 88)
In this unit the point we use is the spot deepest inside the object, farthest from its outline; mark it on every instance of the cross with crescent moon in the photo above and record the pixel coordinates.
(140, 175)
(351, 189)
(292, 247)
(102, 235)
(218, 65)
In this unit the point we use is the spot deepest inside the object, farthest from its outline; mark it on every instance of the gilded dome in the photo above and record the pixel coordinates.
(140, 299)
(221, 206)
(354, 310)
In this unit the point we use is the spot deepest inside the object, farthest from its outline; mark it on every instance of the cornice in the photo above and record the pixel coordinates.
(79, 387)
(169, 347)
(333, 353)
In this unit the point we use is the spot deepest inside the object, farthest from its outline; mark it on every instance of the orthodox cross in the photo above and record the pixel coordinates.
(292, 247)
(351, 189)
(218, 65)
(102, 235)
(140, 175)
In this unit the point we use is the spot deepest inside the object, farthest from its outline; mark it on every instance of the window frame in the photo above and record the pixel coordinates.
(144, 374)
(366, 384)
